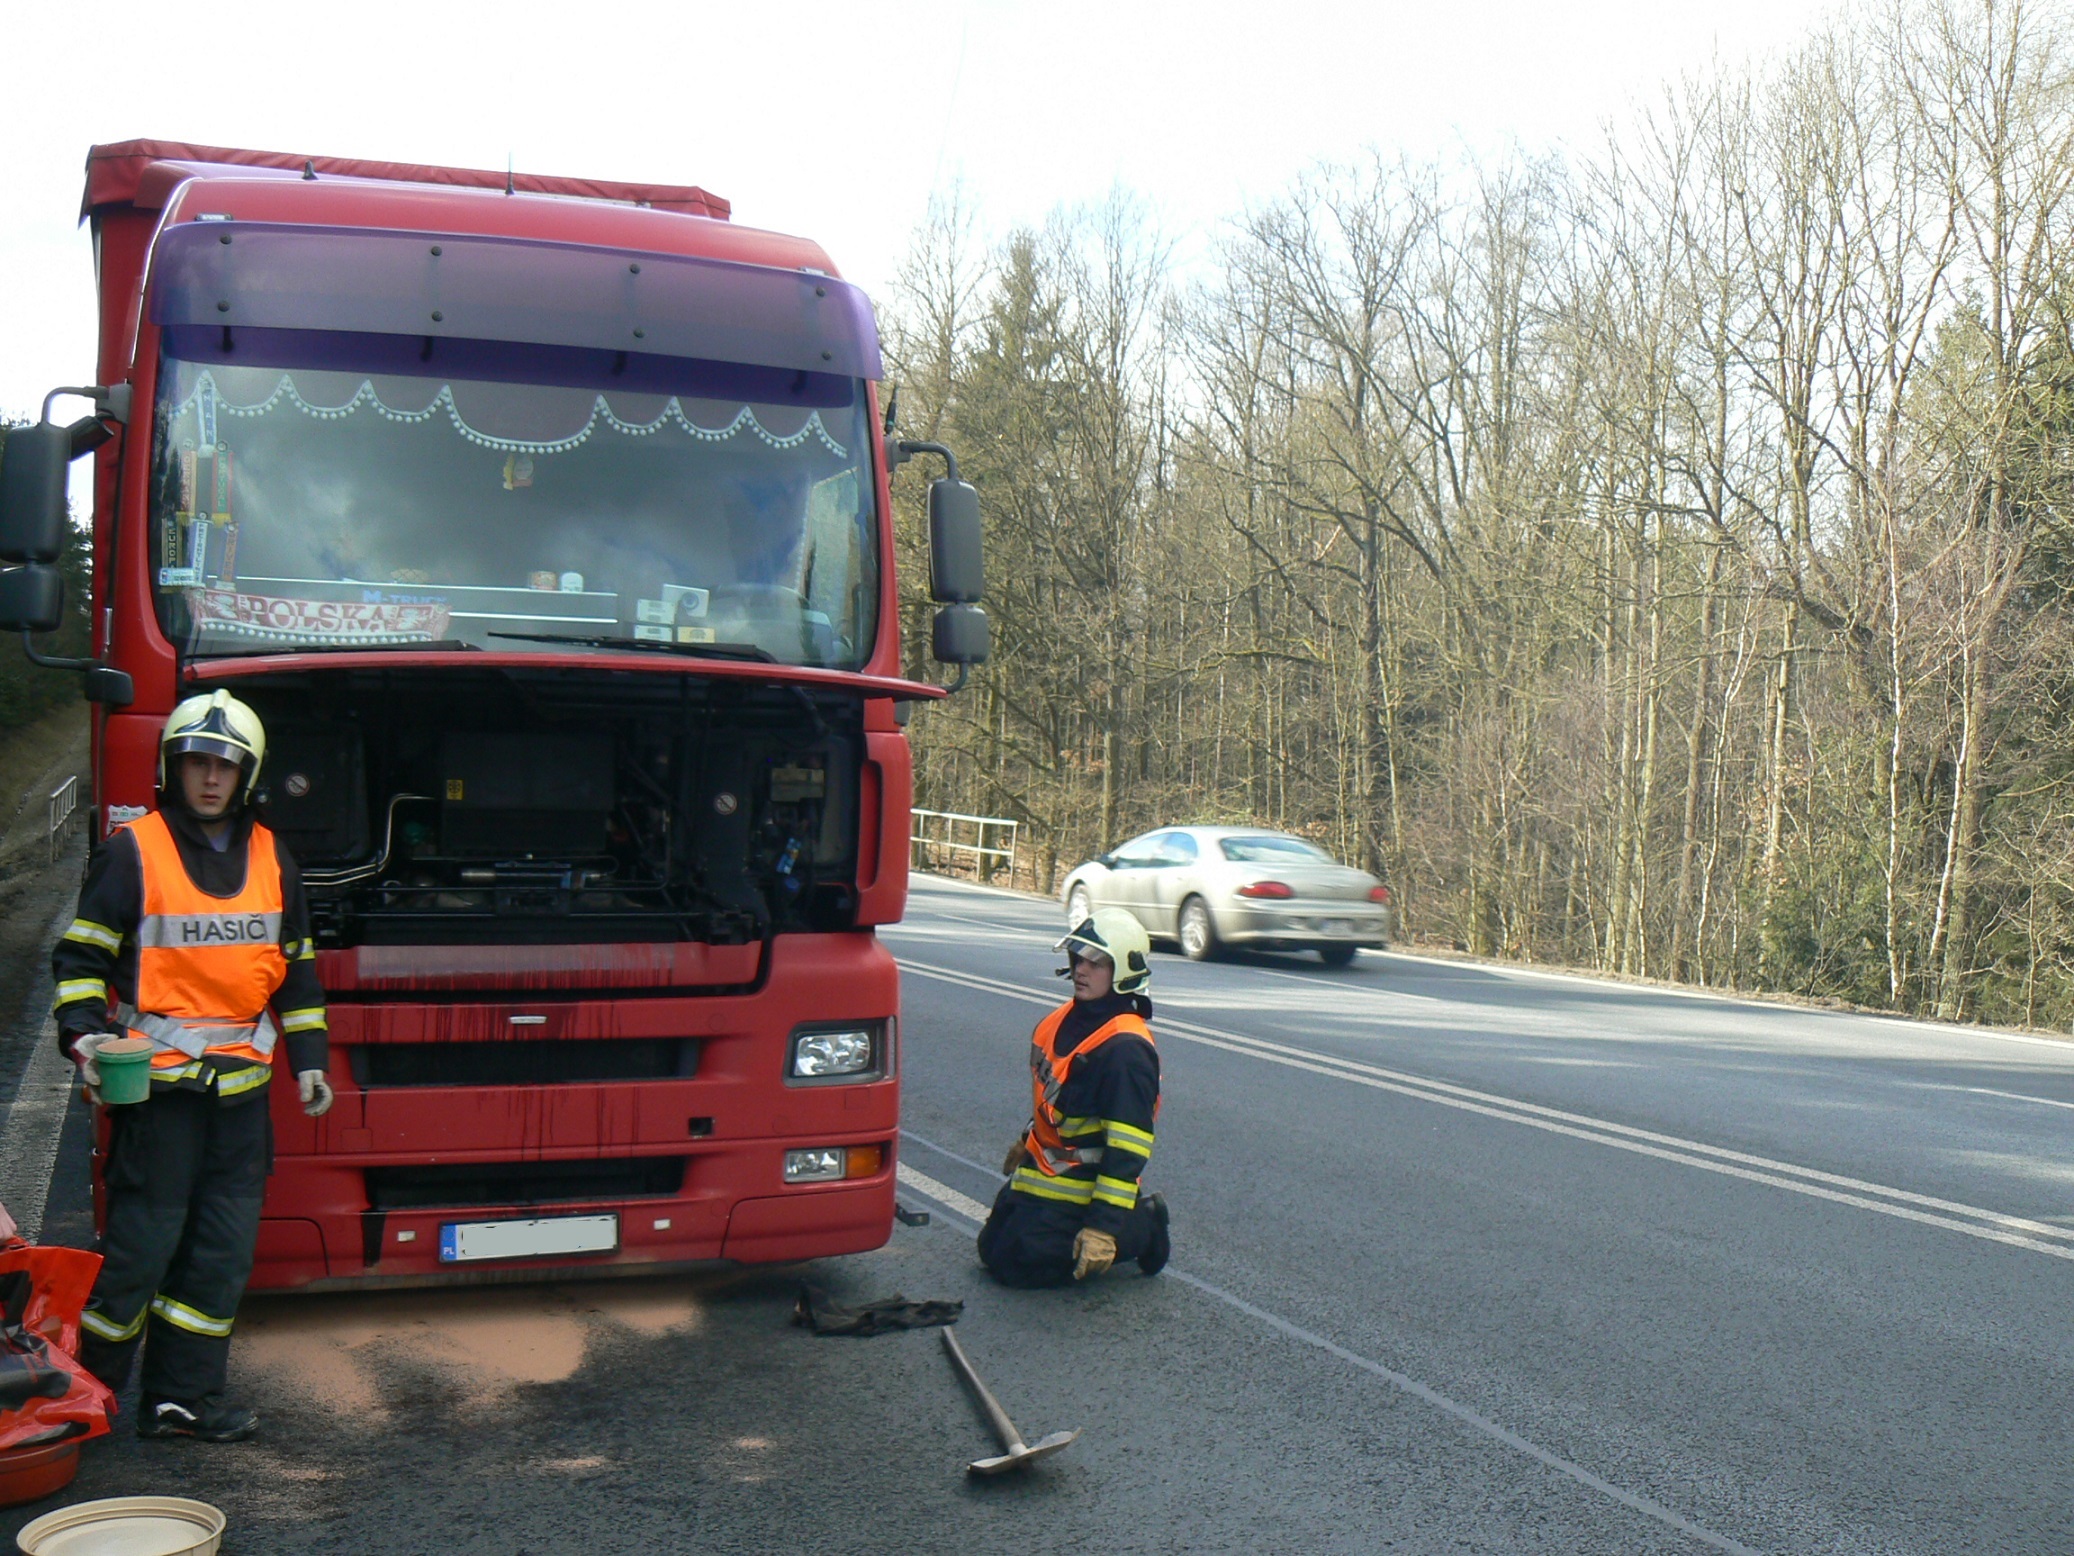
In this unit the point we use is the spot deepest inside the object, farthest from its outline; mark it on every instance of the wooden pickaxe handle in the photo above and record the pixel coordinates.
(1011, 1439)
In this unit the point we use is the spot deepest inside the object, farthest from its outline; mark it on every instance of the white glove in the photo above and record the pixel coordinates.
(84, 1047)
(316, 1092)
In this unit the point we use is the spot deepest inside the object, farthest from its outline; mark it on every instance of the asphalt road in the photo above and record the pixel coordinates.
(1466, 1260)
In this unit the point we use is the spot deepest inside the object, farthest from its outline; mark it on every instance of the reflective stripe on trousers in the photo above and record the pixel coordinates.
(185, 1180)
(100, 1325)
(193, 1320)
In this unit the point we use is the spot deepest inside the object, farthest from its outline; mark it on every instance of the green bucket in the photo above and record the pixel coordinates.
(125, 1067)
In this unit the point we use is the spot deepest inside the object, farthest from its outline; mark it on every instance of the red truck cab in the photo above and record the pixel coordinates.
(546, 524)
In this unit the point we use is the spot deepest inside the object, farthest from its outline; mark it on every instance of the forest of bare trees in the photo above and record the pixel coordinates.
(1656, 558)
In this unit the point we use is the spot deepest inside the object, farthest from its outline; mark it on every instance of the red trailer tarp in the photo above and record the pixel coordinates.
(115, 172)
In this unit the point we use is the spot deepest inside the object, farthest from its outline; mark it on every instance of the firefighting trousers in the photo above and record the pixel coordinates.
(184, 1178)
(1029, 1241)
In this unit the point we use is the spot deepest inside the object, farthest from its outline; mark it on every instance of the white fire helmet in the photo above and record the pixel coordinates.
(215, 724)
(1118, 936)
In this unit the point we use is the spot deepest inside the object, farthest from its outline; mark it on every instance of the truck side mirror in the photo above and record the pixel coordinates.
(960, 635)
(956, 572)
(34, 463)
(105, 683)
(32, 598)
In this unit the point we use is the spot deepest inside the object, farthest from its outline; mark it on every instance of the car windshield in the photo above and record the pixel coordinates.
(1271, 850)
(314, 491)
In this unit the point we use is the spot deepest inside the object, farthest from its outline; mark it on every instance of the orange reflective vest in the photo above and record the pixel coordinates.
(1052, 1138)
(206, 966)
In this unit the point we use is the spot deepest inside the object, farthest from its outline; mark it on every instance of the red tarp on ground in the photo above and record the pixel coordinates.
(43, 1389)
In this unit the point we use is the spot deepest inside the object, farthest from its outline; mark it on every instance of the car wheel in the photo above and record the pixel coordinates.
(1198, 933)
(1079, 906)
(1336, 955)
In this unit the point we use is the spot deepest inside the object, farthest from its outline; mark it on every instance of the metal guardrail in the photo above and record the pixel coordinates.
(986, 856)
(64, 807)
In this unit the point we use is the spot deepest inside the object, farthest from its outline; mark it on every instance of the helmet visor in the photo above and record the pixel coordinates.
(1083, 939)
(201, 743)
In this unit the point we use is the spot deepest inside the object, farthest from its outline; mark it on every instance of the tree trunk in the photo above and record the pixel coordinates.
(1768, 964)
(1683, 932)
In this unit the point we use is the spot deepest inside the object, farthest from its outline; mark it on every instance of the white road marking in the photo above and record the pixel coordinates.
(1737, 1001)
(1988, 1225)
(1677, 991)
(29, 1137)
(971, 1210)
(952, 883)
(949, 926)
(2015, 1096)
(966, 918)
(1318, 982)
(35, 1121)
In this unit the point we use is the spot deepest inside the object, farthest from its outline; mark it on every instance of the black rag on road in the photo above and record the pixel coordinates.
(815, 1311)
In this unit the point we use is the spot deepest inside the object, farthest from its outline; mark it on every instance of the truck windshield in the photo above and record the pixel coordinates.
(324, 492)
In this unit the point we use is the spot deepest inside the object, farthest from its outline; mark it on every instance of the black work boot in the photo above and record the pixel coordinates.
(1154, 1258)
(205, 1420)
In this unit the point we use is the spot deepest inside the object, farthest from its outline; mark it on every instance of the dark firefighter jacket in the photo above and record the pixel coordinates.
(1108, 1100)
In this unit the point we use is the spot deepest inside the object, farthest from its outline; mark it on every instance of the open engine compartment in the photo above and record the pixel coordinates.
(456, 806)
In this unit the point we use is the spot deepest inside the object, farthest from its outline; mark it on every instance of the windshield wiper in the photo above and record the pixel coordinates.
(693, 650)
(387, 646)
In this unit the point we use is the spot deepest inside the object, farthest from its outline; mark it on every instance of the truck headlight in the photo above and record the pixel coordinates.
(833, 1055)
(815, 1166)
(833, 1163)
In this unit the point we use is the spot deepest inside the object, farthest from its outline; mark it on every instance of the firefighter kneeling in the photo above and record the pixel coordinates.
(191, 925)
(1071, 1207)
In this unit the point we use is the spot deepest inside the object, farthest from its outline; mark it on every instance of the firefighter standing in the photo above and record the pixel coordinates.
(191, 924)
(1071, 1207)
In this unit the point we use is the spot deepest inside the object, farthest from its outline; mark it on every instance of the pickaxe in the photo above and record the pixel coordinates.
(1017, 1453)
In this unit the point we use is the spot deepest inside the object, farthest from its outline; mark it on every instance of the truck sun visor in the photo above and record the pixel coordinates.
(510, 289)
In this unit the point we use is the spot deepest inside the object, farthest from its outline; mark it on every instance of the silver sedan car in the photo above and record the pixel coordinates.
(1212, 887)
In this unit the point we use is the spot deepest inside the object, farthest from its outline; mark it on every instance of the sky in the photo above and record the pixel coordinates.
(835, 121)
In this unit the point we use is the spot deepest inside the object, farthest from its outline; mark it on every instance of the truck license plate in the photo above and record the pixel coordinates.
(1337, 926)
(461, 1241)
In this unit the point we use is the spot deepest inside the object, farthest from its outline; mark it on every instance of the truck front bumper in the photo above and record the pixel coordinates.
(691, 1165)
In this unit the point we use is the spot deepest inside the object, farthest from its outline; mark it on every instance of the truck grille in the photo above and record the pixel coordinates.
(525, 1062)
(522, 1183)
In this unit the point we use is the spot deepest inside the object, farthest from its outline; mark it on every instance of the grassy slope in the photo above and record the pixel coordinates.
(34, 759)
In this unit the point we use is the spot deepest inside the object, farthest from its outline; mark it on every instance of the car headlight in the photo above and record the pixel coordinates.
(833, 1054)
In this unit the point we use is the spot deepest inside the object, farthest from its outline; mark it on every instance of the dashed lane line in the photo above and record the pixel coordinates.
(1903, 1204)
(969, 1209)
